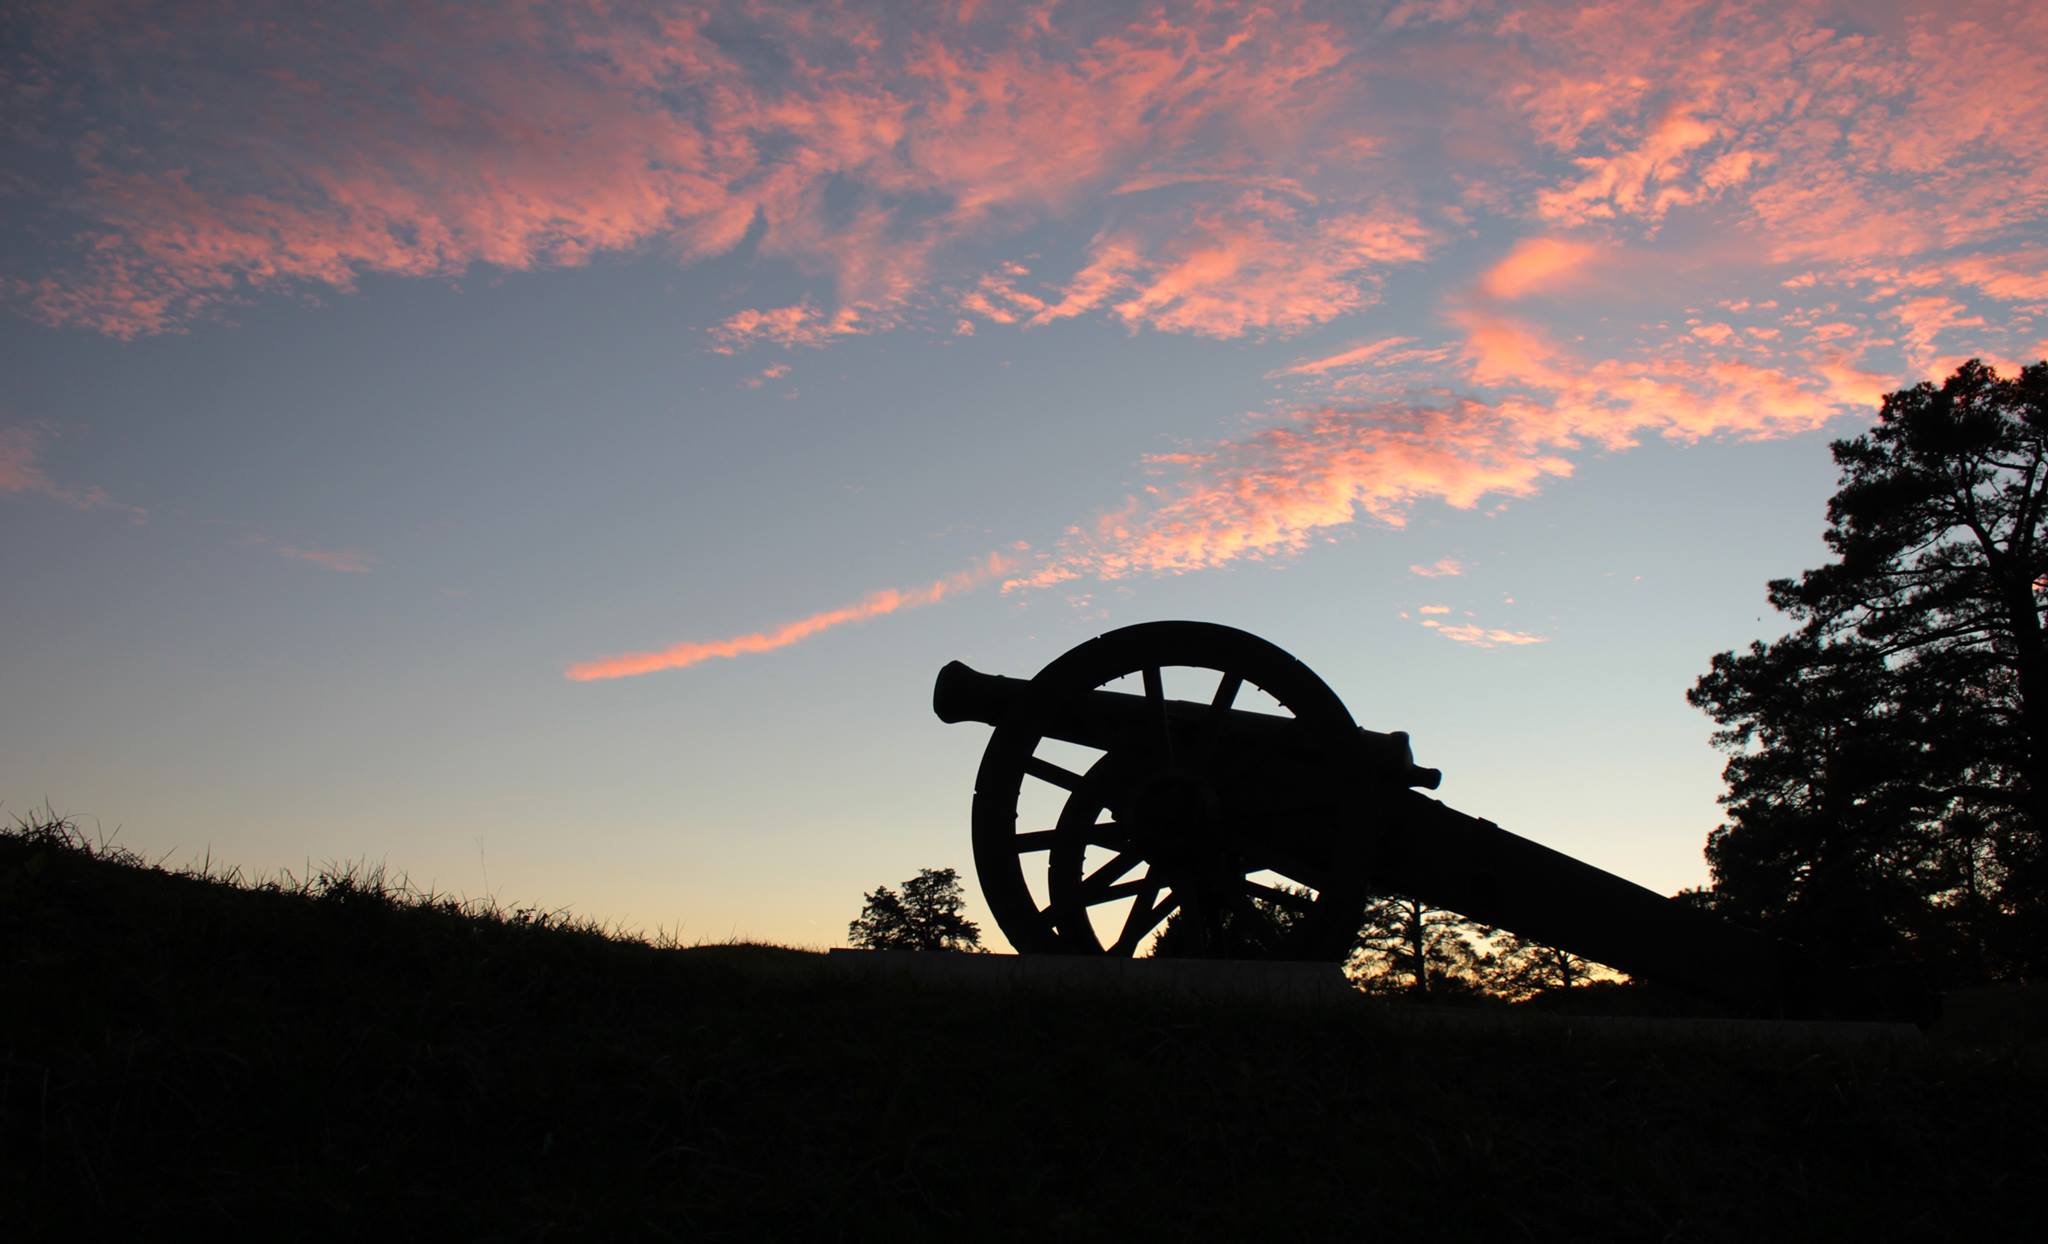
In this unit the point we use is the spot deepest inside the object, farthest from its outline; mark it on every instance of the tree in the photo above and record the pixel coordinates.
(1258, 930)
(1887, 787)
(1407, 946)
(926, 916)
(1516, 968)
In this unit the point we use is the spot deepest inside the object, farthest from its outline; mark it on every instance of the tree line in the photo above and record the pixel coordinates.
(1404, 946)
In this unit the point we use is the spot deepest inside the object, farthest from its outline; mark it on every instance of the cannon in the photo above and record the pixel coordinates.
(1257, 820)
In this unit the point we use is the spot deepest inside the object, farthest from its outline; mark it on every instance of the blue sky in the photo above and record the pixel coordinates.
(364, 382)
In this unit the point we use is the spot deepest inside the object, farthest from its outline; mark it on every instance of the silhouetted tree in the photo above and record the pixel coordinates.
(925, 916)
(1407, 946)
(1516, 968)
(1887, 788)
(1255, 929)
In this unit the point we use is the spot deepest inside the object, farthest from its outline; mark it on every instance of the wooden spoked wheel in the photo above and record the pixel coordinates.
(1186, 828)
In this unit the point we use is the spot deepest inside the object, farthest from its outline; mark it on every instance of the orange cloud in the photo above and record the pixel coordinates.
(854, 149)
(1645, 180)
(1928, 318)
(1258, 263)
(1485, 637)
(873, 605)
(1277, 490)
(798, 325)
(1443, 566)
(1533, 266)
(1357, 356)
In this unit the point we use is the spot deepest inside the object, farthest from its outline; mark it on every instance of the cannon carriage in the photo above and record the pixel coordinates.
(1257, 820)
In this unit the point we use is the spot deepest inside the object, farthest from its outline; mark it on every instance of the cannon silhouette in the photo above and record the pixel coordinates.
(1263, 829)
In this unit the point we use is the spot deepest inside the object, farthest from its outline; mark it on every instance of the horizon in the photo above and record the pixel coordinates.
(553, 456)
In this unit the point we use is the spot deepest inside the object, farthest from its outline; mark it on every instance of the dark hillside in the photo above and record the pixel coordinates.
(323, 1060)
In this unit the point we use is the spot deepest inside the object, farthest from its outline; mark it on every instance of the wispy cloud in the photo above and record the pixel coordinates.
(341, 561)
(873, 605)
(22, 474)
(1441, 567)
(1285, 485)
(1354, 356)
(1484, 636)
(1536, 265)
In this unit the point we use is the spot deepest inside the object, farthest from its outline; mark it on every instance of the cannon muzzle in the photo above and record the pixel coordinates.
(1105, 720)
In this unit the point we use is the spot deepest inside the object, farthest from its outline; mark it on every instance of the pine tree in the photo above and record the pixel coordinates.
(1887, 791)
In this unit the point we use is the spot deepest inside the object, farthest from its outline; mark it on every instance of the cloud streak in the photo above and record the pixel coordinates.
(873, 605)
(22, 474)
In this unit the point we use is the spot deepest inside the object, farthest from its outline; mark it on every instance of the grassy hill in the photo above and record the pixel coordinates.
(326, 1058)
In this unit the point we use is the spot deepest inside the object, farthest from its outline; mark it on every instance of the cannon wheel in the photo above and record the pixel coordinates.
(1208, 875)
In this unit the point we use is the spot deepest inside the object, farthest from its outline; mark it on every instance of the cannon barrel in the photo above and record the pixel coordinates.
(1481, 871)
(1105, 719)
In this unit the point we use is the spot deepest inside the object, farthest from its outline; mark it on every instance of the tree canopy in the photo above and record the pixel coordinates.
(1408, 946)
(925, 916)
(1887, 787)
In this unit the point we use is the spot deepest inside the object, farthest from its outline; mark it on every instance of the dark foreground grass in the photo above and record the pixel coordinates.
(317, 1059)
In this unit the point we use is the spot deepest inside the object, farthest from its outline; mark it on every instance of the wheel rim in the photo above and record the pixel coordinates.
(1180, 828)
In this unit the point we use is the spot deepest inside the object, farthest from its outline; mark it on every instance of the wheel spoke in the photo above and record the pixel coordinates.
(1211, 729)
(1046, 770)
(1144, 918)
(1104, 879)
(1226, 692)
(1155, 695)
(1279, 897)
(1122, 889)
(1109, 834)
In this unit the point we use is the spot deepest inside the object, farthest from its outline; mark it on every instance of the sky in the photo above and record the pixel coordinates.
(551, 447)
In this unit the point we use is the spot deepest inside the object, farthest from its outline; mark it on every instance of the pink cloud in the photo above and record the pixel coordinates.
(1646, 180)
(1535, 265)
(341, 561)
(1261, 266)
(1926, 319)
(1242, 170)
(1356, 356)
(1440, 568)
(22, 474)
(801, 324)
(1485, 637)
(1284, 486)
(259, 157)
(1255, 264)
(873, 605)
